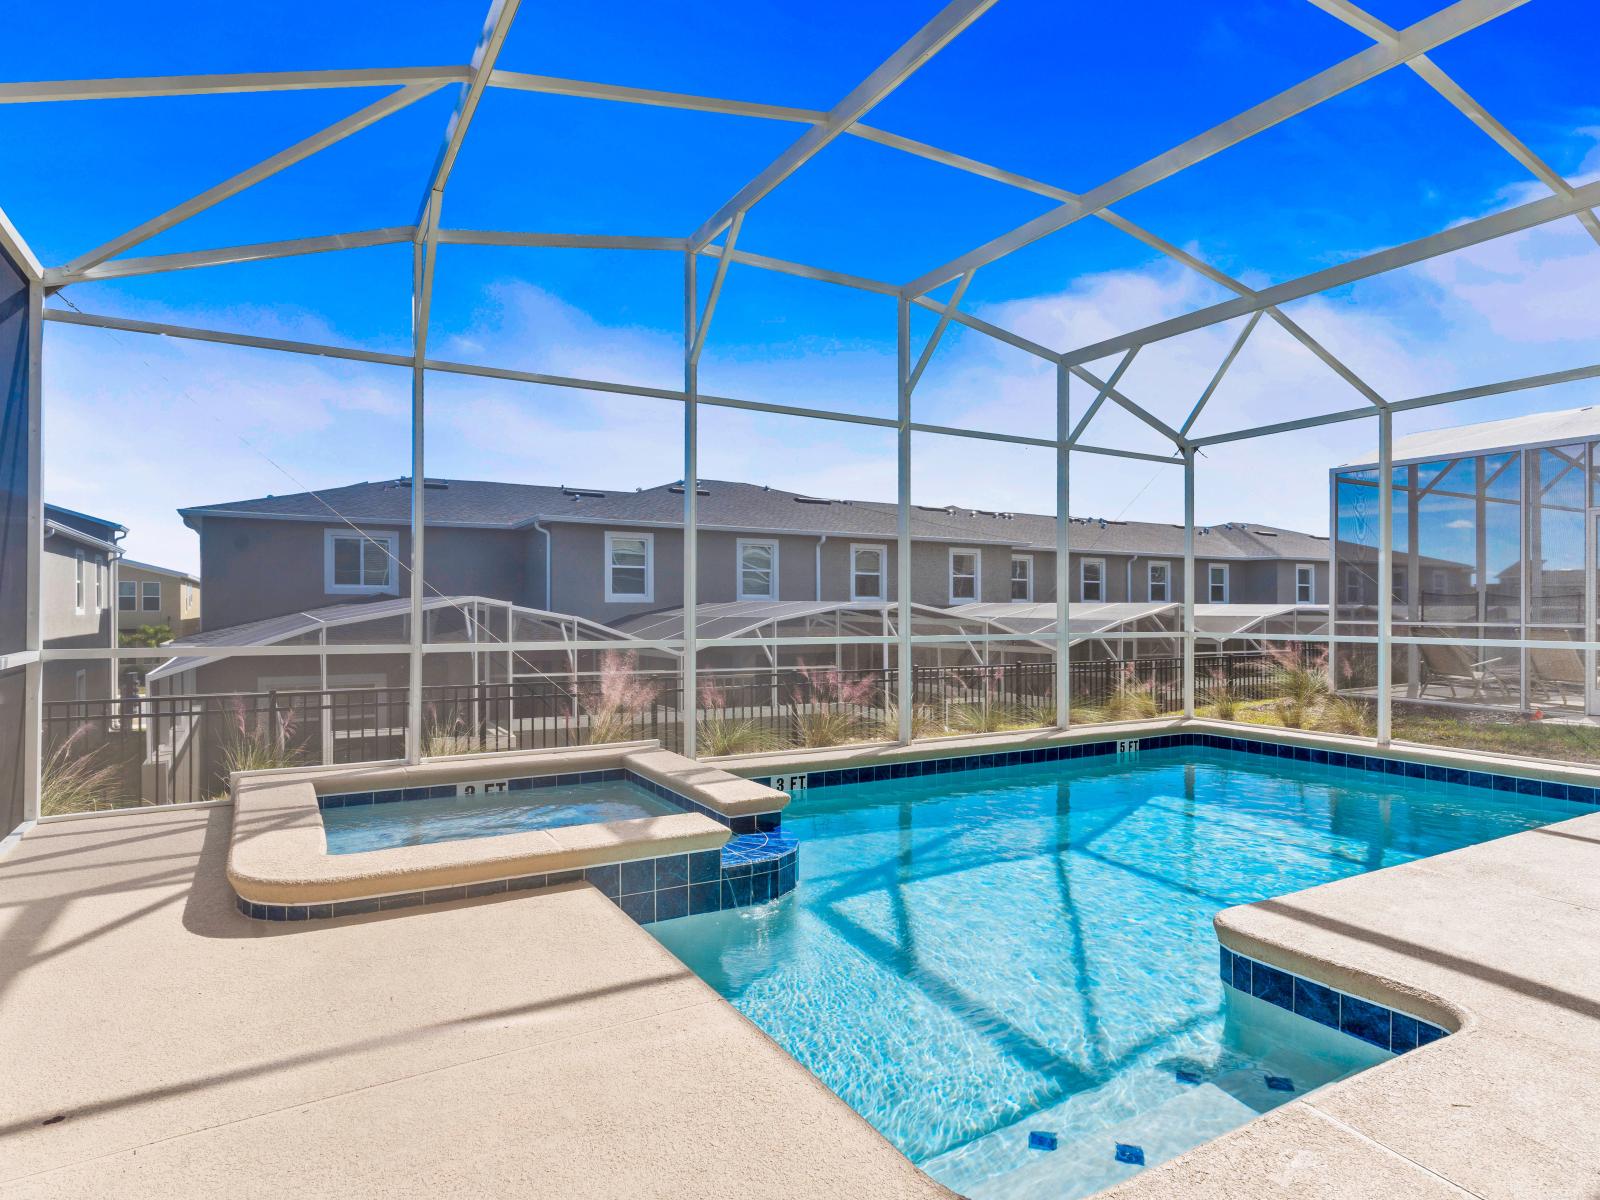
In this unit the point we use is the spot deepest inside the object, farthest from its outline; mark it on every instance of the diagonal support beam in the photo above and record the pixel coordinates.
(1128, 406)
(1425, 35)
(894, 71)
(1463, 102)
(1100, 396)
(13, 244)
(926, 356)
(150, 86)
(703, 325)
(1460, 237)
(1216, 380)
(120, 268)
(301, 150)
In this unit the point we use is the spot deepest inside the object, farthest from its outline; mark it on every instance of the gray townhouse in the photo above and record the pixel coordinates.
(78, 583)
(610, 555)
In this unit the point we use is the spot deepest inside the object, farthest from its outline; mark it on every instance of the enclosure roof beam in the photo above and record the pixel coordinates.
(141, 87)
(894, 71)
(13, 244)
(1459, 237)
(1216, 380)
(938, 332)
(380, 358)
(304, 149)
(551, 85)
(1419, 38)
(117, 268)
(1463, 102)
(1432, 400)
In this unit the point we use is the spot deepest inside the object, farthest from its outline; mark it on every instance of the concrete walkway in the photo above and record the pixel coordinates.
(155, 1043)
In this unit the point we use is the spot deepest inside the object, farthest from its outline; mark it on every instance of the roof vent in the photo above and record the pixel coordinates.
(677, 490)
(812, 500)
(580, 494)
(428, 485)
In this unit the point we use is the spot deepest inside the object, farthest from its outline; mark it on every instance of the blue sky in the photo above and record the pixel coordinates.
(1069, 94)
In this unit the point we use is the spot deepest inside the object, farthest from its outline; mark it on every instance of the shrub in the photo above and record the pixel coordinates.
(259, 740)
(924, 722)
(623, 697)
(1344, 714)
(1133, 699)
(719, 734)
(75, 778)
(1224, 700)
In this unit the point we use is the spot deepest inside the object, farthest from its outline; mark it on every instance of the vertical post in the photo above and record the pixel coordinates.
(33, 632)
(1063, 548)
(1189, 583)
(325, 699)
(903, 520)
(689, 702)
(1385, 570)
(420, 284)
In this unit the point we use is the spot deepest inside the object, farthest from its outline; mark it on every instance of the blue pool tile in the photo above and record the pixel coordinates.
(1318, 1003)
(1320, 757)
(1241, 973)
(1479, 779)
(489, 887)
(1583, 795)
(761, 888)
(388, 797)
(442, 791)
(1552, 791)
(705, 897)
(1432, 773)
(440, 895)
(641, 906)
(1365, 1020)
(321, 912)
(671, 903)
(786, 880)
(1529, 787)
(1337, 758)
(744, 824)
(538, 782)
(298, 912)
(1225, 964)
(672, 871)
(608, 879)
(566, 780)
(414, 793)
(1133, 1155)
(408, 900)
(638, 876)
(1039, 1139)
(1454, 775)
(526, 883)
(556, 877)
(1279, 1083)
(1272, 985)
(522, 783)
(767, 822)
(1504, 783)
(330, 801)
(1428, 1033)
(356, 908)
(277, 912)
(1403, 1033)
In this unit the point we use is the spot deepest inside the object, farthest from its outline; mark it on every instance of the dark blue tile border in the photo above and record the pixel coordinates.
(750, 823)
(1381, 764)
(1385, 1028)
(751, 868)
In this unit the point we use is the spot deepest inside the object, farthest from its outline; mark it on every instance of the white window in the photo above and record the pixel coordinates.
(127, 595)
(964, 576)
(630, 568)
(1305, 583)
(77, 578)
(1352, 585)
(355, 563)
(1092, 579)
(100, 571)
(1217, 583)
(868, 568)
(1160, 577)
(152, 595)
(758, 570)
(1022, 578)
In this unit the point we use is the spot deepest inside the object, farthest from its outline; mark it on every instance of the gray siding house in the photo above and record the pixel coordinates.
(77, 589)
(609, 555)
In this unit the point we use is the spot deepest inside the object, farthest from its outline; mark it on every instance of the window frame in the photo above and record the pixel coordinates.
(976, 576)
(133, 595)
(80, 592)
(607, 565)
(1027, 560)
(144, 595)
(1310, 570)
(389, 538)
(1211, 573)
(882, 550)
(1150, 583)
(1083, 580)
(738, 568)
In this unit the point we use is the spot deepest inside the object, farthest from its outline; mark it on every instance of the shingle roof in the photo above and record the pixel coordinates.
(732, 505)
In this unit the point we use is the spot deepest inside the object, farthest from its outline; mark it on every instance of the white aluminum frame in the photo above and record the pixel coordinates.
(1391, 48)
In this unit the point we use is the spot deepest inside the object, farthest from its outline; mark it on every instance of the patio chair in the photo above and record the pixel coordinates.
(1458, 668)
(1556, 674)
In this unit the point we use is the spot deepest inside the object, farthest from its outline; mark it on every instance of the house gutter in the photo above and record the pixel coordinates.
(820, 540)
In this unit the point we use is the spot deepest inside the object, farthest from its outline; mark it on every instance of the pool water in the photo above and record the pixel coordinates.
(351, 830)
(970, 957)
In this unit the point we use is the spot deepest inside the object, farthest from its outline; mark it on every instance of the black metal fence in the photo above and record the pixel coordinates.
(174, 749)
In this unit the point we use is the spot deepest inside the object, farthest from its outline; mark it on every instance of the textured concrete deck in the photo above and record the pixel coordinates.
(1501, 940)
(155, 1043)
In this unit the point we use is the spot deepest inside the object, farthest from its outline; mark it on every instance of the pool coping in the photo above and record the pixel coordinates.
(277, 858)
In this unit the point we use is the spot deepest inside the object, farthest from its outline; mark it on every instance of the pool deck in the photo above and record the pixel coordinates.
(159, 1044)
(156, 1043)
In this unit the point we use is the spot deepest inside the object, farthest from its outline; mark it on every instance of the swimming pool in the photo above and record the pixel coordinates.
(974, 956)
(479, 813)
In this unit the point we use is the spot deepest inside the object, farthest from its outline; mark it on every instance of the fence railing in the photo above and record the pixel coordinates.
(172, 749)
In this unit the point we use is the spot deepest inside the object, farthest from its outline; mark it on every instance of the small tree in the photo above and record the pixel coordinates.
(147, 635)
